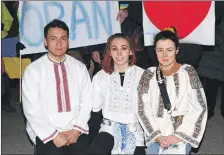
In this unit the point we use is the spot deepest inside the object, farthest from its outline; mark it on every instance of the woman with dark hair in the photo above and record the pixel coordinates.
(114, 91)
(172, 106)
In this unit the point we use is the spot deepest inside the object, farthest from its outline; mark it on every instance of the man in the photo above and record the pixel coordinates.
(56, 97)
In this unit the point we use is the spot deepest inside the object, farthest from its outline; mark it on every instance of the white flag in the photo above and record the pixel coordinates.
(194, 20)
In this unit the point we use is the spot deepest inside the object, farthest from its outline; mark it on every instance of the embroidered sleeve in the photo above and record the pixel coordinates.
(194, 121)
(144, 114)
(85, 103)
(38, 121)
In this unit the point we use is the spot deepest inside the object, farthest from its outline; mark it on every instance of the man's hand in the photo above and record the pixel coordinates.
(71, 136)
(60, 140)
(96, 56)
(122, 14)
(170, 140)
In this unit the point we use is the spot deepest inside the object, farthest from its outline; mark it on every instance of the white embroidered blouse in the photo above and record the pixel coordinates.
(117, 103)
(187, 99)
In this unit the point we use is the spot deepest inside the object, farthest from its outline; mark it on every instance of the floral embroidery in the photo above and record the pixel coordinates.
(143, 88)
(194, 79)
(188, 138)
(176, 83)
(196, 84)
(121, 99)
(160, 110)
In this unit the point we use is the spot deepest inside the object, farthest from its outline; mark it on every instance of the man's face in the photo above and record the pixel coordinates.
(57, 41)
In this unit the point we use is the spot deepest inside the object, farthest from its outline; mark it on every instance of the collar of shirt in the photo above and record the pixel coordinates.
(126, 70)
(54, 61)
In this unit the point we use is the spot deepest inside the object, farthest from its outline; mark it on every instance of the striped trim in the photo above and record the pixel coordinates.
(86, 131)
(153, 136)
(66, 89)
(177, 84)
(143, 88)
(58, 88)
(196, 84)
(187, 138)
(160, 109)
(49, 137)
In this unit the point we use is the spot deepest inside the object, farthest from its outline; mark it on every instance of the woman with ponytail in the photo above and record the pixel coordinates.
(172, 106)
(114, 91)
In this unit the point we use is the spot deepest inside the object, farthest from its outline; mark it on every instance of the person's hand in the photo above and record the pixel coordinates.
(122, 14)
(60, 140)
(96, 56)
(161, 141)
(170, 140)
(71, 136)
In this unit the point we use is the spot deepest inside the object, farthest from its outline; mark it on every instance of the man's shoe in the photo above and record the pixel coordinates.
(222, 113)
(9, 108)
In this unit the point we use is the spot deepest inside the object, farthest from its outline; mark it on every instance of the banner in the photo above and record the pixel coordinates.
(194, 20)
(89, 22)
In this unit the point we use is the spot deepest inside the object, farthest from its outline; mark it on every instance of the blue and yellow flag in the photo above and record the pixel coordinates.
(123, 6)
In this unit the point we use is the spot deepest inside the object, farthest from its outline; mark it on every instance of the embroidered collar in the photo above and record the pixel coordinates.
(126, 70)
(54, 61)
(121, 96)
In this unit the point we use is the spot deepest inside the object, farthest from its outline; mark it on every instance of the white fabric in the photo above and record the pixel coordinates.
(135, 136)
(117, 103)
(89, 22)
(187, 99)
(39, 98)
(203, 34)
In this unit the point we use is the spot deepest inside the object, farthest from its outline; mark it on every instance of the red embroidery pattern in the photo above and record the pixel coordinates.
(44, 140)
(75, 126)
(66, 89)
(58, 87)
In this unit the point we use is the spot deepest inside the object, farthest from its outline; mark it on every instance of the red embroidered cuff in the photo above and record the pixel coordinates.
(80, 129)
(45, 140)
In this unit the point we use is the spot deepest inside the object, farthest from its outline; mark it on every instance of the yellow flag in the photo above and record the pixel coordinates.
(12, 66)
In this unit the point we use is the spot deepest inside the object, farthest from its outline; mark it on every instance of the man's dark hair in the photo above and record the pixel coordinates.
(56, 23)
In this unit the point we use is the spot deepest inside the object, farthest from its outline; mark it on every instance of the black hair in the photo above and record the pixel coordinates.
(167, 34)
(56, 23)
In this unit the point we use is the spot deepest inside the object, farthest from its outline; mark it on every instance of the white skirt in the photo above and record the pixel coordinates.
(126, 136)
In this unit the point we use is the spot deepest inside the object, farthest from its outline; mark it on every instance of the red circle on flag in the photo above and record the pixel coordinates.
(184, 16)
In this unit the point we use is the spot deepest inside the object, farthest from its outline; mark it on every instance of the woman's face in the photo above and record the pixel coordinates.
(166, 52)
(120, 52)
